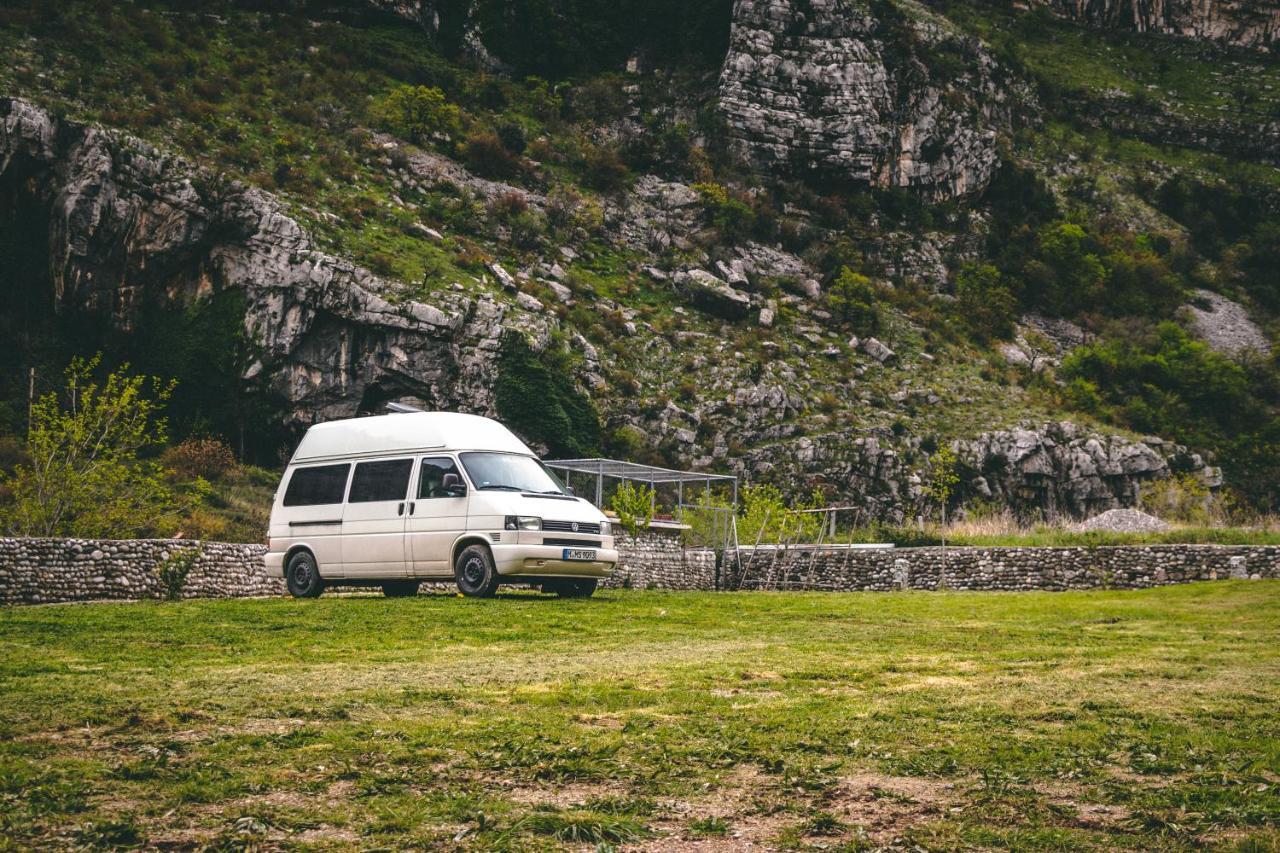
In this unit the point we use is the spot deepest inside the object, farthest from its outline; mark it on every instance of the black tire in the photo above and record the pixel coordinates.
(400, 589)
(476, 575)
(302, 576)
(572, 587)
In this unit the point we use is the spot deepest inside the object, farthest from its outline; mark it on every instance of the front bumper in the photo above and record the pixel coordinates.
(547, 561)
(275, 564)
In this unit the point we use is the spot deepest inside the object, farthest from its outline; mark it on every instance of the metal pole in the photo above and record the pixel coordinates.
(599, 485)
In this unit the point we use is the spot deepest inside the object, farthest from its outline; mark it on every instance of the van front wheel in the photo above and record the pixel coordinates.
(477, 577)
(302, 576)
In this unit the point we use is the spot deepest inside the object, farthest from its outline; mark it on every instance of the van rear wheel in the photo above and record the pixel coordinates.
(476, 575)
(302, 576)
(400, 589)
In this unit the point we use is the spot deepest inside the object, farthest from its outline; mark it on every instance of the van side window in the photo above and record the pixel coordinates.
(323, 484)
(431, 477)
(385, 480)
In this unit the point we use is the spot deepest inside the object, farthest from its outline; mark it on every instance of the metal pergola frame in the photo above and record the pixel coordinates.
(652, 475)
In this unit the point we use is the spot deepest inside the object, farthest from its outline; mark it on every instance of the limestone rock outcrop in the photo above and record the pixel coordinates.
(1243, 23)
(827, 87)
(130, 225)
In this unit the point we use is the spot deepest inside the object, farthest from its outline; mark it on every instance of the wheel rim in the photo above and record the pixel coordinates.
(302, 574)
(473, 571)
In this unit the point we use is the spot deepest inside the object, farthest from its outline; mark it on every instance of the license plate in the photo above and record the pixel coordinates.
(579, 554)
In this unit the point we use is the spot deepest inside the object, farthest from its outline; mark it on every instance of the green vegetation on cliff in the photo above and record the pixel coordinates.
(1122, 194)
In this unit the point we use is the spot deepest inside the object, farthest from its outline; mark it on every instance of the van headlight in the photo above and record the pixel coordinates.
(523, 522)
(606, 528)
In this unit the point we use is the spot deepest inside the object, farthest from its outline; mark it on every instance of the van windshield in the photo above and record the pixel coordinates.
(510, 471)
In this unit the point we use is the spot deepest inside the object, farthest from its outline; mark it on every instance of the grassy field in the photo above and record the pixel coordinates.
(1140, 720)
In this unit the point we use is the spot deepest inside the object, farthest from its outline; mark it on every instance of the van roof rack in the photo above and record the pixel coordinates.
(402, 408)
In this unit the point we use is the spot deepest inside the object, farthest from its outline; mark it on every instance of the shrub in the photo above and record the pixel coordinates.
(418, 113)
(527, 229)
(485, 153)
(852, 299)
(199, 457)
(986, 303)
(85, 478)
(732, 216)
(634, 506)
(603, 168)
(174, 569)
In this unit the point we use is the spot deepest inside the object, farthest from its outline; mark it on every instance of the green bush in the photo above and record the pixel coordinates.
(84, 477)
(420, 114)
(851, 298)
(986, 302)
(174, 569)
(634, 506)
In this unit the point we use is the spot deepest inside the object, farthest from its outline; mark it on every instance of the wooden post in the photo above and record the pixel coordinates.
(31, 398)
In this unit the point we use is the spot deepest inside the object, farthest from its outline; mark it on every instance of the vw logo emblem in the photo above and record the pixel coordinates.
(574, 527)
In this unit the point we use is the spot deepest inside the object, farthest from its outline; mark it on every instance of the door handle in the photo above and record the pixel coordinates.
(411, 506)
(400, 508)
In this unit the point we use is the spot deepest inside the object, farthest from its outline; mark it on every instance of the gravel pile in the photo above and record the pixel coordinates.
(1124, 521)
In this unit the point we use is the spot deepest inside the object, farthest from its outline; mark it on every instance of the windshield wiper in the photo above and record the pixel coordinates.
(552, 492)
(501, 486)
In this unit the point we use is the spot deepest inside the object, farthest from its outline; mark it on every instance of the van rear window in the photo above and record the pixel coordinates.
(323, 484)
(380, 481)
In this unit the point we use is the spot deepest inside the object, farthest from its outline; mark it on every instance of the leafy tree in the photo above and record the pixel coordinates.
(986, 302)
(944, 474)
(420, 114)
(634, 506)
(1070, 275)
(852, 299)
(84, 477)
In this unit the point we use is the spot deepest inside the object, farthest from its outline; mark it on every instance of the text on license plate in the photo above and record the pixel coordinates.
(579, 554)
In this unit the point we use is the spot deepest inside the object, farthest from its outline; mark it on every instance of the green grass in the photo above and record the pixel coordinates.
(1139, 720)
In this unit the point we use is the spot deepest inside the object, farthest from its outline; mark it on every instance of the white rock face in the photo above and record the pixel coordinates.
(1244, 23)
(822, 86)
(1225, 325)
(132, 225)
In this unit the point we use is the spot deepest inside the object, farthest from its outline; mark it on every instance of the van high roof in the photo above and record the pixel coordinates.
(406, 433)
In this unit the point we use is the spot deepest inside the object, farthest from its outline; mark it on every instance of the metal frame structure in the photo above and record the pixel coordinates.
(653, 476)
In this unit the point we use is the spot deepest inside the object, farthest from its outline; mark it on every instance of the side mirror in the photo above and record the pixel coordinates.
(453, 486)
(570, 490)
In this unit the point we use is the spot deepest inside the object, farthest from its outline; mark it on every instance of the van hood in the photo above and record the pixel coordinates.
(557, 507)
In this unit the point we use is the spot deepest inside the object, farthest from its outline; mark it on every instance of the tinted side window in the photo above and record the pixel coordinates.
(380, 481)
(323, 484)
(431, 477)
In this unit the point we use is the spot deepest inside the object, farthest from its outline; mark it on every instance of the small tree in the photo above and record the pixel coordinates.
(84, 477)
(985, 302)
(942, 483)
(174, 569)
(852, 299)
(418, 113)
(634, 506)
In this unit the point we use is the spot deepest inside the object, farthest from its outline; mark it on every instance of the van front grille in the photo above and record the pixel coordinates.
(572, 543)
(572, 527)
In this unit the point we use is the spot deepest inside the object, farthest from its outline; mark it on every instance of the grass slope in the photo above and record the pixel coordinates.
(1141, 720)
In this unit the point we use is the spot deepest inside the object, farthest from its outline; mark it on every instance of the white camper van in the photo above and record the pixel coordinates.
(397, 499)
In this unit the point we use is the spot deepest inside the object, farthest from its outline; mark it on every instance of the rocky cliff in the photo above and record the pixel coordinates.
(891, 96)
(130, 226)
(1050, 470)
(1243, 23)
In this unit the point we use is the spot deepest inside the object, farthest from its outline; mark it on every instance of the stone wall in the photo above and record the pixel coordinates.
(656, 559)
(43, 571)
(39, 571)
(1117, 567)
